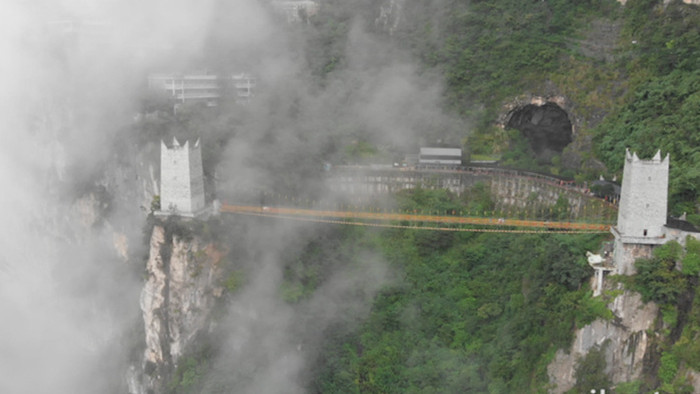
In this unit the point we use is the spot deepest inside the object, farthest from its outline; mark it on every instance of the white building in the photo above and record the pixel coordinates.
(242, 86)
(642, 220)
(440, 156)
(203, 87)
(181, 180)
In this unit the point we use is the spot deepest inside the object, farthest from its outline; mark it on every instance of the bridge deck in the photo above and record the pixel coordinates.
(398, 217)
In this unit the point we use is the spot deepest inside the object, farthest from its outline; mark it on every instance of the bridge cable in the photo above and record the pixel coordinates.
(383, 225)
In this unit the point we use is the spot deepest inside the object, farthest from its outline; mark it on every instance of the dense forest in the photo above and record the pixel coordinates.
(473, 312)
(481, 312)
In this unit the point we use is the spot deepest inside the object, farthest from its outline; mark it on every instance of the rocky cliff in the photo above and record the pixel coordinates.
(624, 340)
(176, 301)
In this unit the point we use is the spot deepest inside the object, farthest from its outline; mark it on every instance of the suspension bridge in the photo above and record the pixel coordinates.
(449, 221)
(523, 202)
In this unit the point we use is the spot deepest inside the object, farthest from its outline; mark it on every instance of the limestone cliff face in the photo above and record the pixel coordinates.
(153, 299)
(623, 339)
(176, 301)
(694, 379)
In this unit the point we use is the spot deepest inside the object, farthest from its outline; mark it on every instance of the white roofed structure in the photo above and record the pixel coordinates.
(444, 156)
(203, 86)
(181, 179)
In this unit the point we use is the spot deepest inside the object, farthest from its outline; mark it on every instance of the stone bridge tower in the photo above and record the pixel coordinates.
(181, 180)
(642, 214)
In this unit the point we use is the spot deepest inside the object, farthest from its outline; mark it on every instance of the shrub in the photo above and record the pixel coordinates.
(691, 264)
(668, 367)
(590, 372)
(657, 279)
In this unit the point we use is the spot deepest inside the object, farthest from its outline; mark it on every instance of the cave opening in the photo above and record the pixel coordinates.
(546, 127)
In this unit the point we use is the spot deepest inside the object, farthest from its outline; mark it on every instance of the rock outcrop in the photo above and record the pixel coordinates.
(153, 299)
(176, 301)
(543, 120)
(623, 340)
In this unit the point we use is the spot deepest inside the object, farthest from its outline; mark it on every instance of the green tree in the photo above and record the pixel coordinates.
(590, 372)
(657, 278)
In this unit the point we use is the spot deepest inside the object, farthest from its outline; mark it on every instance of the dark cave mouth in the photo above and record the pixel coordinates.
(546, 127)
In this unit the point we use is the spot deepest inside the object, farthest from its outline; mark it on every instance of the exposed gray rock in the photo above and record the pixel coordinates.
(624, 340)
(694, 379)
(176, 302)
(193, 278)
(153, 298)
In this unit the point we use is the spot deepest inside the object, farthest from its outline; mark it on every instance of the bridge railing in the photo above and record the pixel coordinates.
(593, 211)
(415, 220)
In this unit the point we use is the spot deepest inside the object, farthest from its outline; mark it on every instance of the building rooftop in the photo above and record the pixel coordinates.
(680, 224)
(441, 151)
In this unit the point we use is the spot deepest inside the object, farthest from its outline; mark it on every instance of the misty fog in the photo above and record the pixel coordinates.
(71, 242)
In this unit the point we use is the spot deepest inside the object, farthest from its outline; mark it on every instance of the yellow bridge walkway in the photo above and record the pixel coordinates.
(378, 219)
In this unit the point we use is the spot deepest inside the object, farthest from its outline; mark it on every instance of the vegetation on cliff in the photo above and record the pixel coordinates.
(662, 108)
(670, 278)
(469, 312)
(449, 328)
